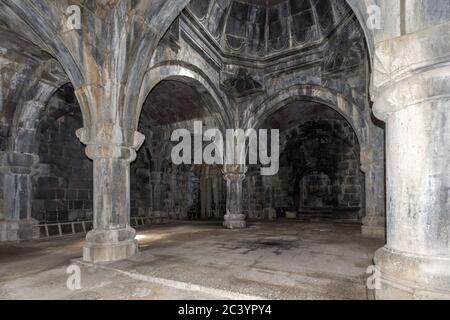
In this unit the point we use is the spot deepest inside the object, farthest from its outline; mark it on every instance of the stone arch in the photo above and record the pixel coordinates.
(214, 104)
(348, 142)
(35, 20)
(342, 144)
(185, 72)
(360, 9)
(336, 101)
(27, 114)
(58, 193)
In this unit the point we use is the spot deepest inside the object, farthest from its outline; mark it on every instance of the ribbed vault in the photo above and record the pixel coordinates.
(265, 27)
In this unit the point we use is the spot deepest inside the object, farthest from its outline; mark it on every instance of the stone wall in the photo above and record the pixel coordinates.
(323, 157)
(319, 172)
(330, 67)
(62, 185)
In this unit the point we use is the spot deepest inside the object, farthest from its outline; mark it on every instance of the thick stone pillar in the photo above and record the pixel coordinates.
(17, 223)
(414, 101)
(112, 238)
(374, 221)
(234, 175)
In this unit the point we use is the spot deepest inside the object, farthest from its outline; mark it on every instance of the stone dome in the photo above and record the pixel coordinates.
(260, 28)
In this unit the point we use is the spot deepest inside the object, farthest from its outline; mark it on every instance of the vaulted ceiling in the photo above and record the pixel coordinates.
(174, 101)
(264, 27)
(298, 112)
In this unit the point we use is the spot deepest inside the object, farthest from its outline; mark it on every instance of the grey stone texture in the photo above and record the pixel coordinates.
(137, 70)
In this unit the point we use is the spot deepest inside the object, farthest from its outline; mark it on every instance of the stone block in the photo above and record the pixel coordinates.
(87, 205)
(78, 204)
(71, 194)
(83, 195)
(291, 215)
(110, 245)
(48, 183)
(9, 231)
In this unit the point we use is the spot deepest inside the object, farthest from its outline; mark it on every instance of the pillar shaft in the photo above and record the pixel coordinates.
(412, 96)
(234, 218)
(415, 263)
(17, 223)
(418, 179)
(111, 193)
(374, 222)
(112, 238)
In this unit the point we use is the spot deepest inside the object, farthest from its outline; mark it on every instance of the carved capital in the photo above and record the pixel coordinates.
(110, 141)
(399, 58)
(431, 85)
(411, 69)
(234, 172)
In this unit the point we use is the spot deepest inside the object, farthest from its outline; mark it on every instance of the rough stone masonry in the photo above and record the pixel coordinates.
(86, 115)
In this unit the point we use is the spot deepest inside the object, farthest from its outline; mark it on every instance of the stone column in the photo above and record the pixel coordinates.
(413, 98)
(17, 223)
(16, 169)
(234, 175)
(374, 221)
(157, 189)
(112, 238)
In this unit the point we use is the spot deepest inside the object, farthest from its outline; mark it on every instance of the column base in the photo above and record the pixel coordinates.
(110, 245)
(235, 221)
(374, 232)
(13, 230)
(9, 231)
(406, 276)
(374, 227)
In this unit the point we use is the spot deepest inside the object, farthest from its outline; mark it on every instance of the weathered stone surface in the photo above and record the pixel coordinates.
(234, 175)
(110, 245)
(139, 70)
(412, 99)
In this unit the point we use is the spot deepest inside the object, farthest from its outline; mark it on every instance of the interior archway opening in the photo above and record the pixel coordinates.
(160, 189)
(319, 174)
(62, 180)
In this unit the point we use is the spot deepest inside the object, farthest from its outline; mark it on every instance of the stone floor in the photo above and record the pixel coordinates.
(201, 260)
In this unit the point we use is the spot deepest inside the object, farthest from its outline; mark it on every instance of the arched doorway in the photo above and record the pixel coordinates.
(319, 163)
(62, 181)
(162, 190)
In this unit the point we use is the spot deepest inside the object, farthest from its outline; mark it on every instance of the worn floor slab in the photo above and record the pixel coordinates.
(283, 260)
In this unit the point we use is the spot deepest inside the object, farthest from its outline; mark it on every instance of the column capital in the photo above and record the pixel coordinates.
(401, 57)
(234, 172)
(104, 141)
(411, 69)
(428, 86)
